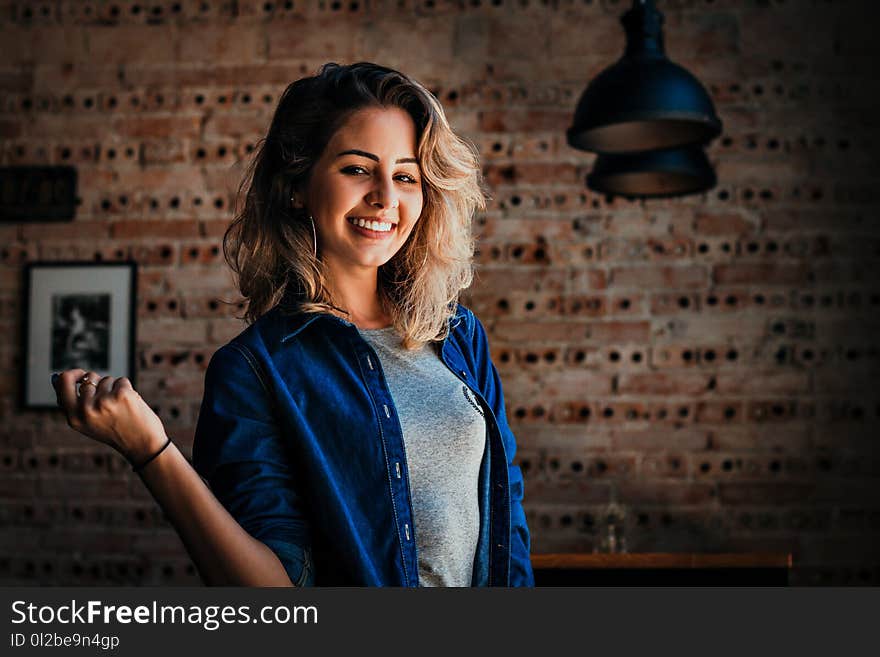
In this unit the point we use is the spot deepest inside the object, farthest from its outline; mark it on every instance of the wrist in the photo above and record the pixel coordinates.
(138, 467)
(139, 451)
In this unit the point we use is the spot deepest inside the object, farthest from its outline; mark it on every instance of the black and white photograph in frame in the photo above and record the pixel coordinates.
(77, 315)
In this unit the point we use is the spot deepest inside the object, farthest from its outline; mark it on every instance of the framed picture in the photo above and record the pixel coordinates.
(76, 314)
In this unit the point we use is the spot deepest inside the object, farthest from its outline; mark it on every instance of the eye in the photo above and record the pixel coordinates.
(408, 179)
(354, 170)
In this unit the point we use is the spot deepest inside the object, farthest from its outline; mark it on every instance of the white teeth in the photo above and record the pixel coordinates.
(376, 226)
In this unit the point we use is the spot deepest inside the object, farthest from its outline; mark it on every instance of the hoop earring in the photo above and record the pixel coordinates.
(293, 200)
(314, 237)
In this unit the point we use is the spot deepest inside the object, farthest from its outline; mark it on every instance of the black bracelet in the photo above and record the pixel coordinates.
(138, 468)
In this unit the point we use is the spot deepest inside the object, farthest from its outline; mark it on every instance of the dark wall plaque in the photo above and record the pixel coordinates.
(37, 193)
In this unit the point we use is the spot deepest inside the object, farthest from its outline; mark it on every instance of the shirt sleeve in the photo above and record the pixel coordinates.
(520, 543)
(238, 451)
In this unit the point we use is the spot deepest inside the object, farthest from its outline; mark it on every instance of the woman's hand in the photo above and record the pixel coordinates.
(112, 412)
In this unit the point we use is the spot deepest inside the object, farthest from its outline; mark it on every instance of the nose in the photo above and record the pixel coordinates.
(383, 195)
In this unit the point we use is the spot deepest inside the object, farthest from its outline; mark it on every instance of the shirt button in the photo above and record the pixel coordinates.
(464, 374)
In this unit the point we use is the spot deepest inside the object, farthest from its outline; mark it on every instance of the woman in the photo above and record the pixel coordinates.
(355, 432)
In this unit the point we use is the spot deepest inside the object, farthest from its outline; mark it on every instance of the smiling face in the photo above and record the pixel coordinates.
(365, 191)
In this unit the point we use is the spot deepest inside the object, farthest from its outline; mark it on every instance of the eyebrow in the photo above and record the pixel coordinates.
(375, 158)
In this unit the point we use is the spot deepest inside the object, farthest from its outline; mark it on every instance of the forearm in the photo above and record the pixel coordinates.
(224, 553)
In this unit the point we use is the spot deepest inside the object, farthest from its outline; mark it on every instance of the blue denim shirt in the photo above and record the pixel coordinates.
(299, 439)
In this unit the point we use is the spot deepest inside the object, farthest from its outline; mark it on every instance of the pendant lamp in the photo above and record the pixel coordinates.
(652, 174)
(643, 102)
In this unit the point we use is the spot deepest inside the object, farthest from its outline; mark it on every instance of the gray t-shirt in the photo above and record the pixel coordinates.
(444, 434)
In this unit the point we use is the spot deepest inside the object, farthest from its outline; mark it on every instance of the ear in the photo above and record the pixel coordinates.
(297, 196)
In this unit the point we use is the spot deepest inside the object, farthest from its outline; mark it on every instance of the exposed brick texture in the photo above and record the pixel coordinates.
(698, 372)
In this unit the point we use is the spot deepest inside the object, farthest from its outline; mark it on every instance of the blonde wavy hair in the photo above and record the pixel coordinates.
(269, 244)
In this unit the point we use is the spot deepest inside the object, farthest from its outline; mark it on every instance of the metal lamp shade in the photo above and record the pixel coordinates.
(643, 104)
(643, 101)
(670, 172)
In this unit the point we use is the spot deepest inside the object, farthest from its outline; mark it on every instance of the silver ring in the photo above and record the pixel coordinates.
(89, 381)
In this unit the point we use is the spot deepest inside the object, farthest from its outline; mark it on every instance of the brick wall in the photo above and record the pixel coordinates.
(692, 374)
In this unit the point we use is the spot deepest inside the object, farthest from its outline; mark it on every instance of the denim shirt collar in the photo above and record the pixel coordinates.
(292, 322)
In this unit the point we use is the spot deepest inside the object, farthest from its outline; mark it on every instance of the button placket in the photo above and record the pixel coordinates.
(401, 492)
(495, 442)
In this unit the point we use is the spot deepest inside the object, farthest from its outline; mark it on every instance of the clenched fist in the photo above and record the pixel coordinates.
(111, 412)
